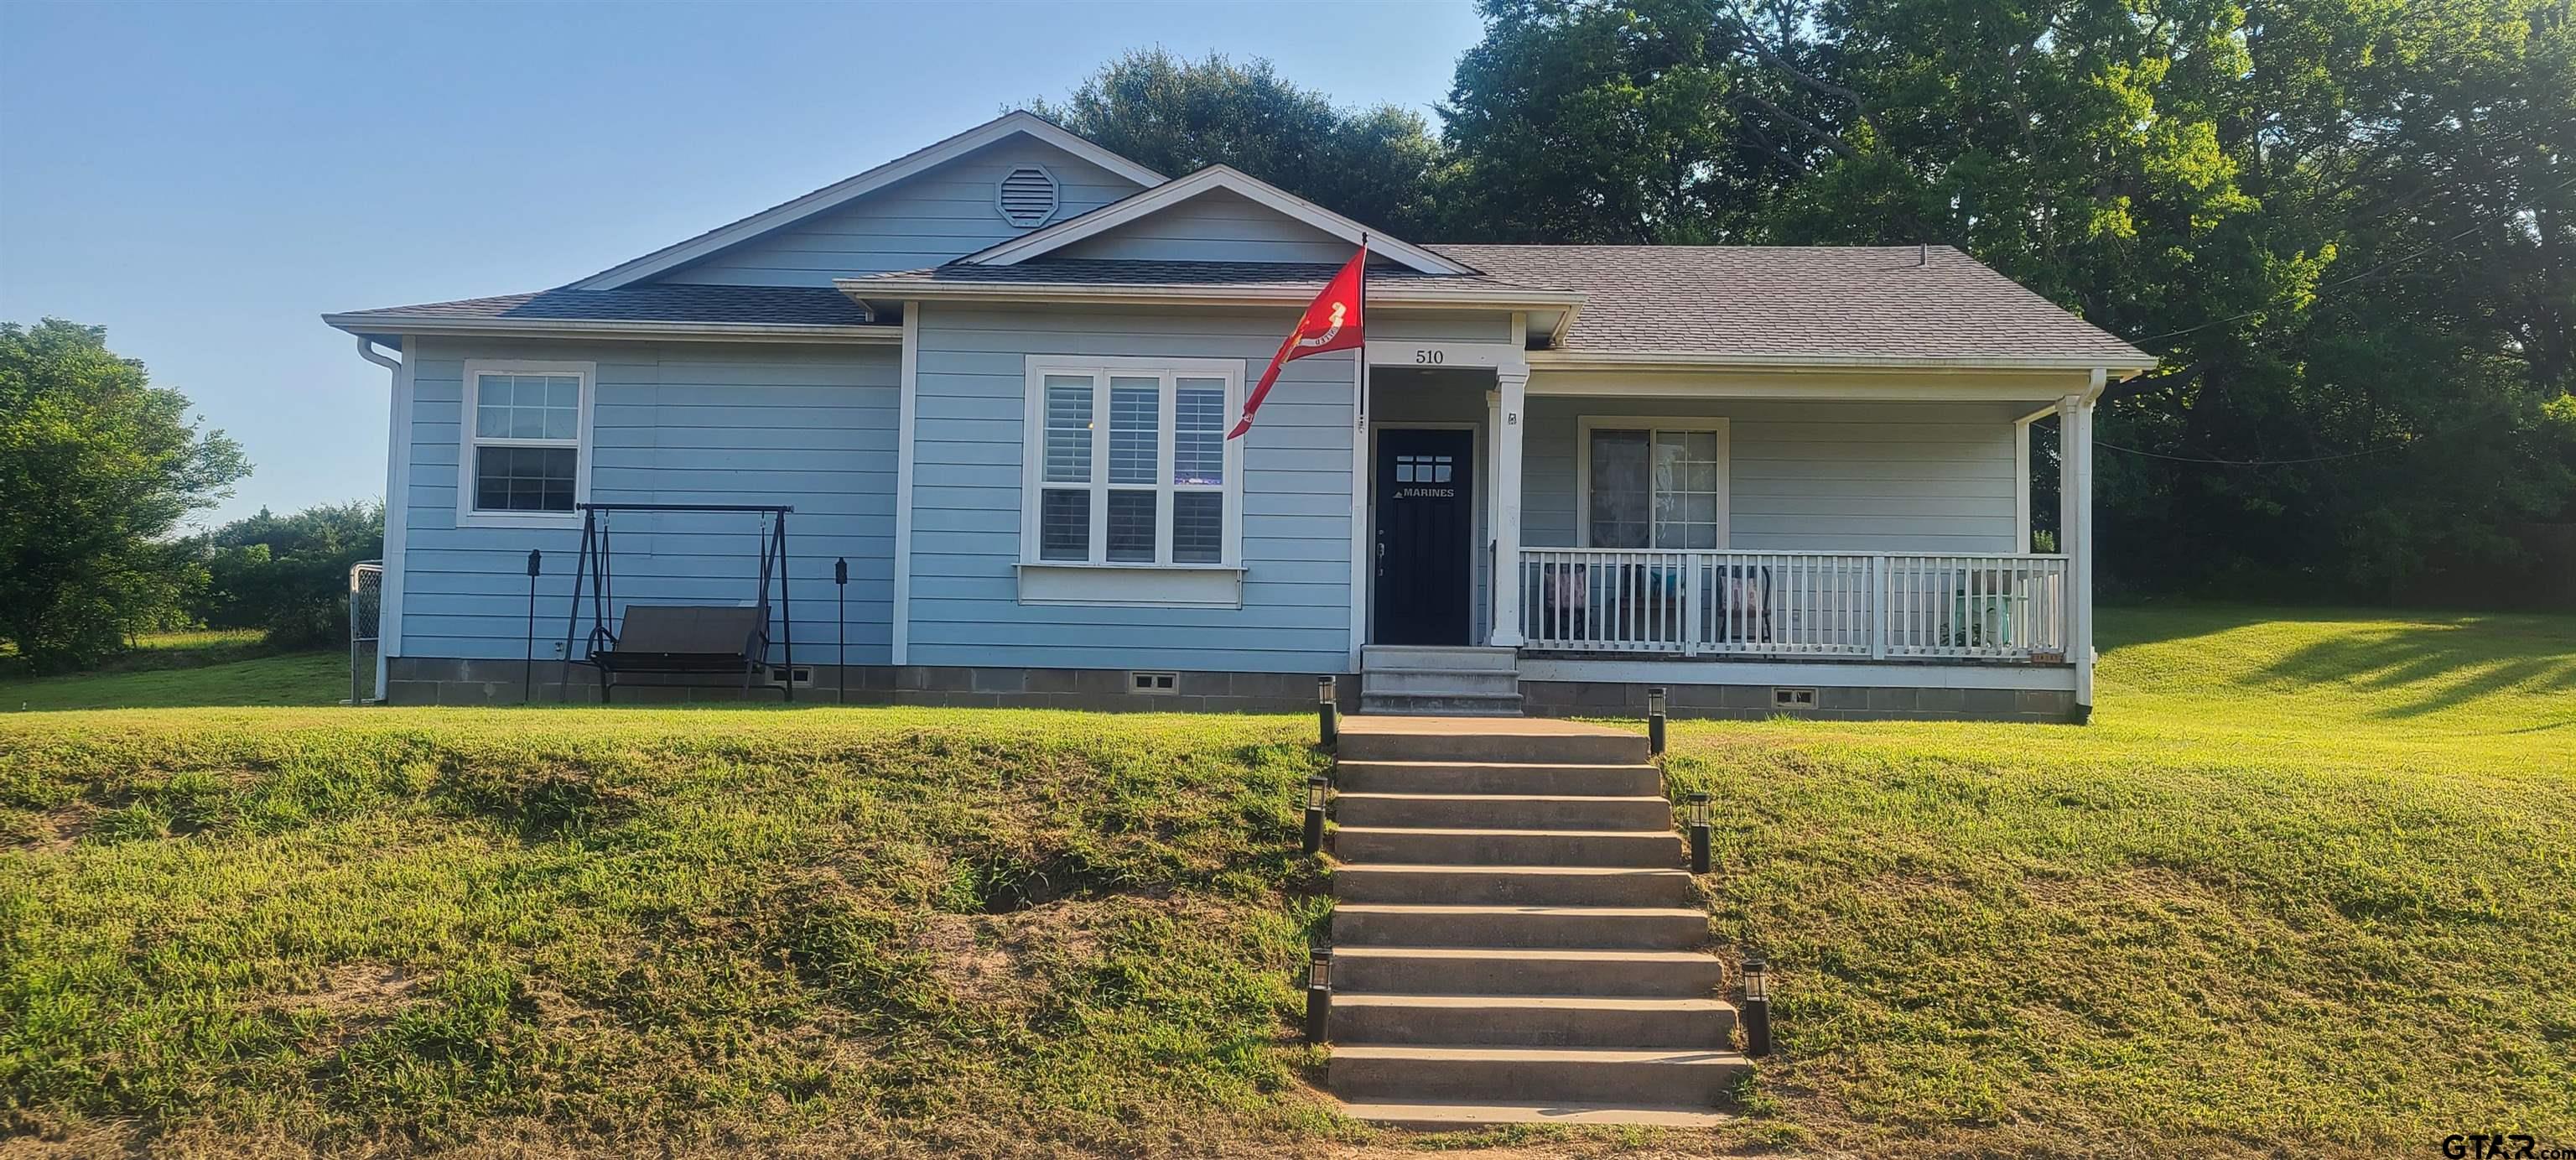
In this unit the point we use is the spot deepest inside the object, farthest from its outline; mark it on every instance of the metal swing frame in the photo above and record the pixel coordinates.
(603, 648)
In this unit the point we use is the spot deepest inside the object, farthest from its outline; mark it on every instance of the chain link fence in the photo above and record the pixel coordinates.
(366, 612)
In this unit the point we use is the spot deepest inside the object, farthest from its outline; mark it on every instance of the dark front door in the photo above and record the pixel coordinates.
(1426, 528)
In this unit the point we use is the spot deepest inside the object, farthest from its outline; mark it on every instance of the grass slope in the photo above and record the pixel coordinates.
(2305, 884)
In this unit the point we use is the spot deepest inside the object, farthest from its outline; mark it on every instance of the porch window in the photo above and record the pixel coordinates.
(527, 443)
(1129, 465)
(1653, 483)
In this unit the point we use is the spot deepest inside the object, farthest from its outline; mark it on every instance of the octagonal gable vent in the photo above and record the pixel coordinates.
(1027, 198)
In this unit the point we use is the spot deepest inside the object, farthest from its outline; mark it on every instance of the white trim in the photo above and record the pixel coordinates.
(2021, 484)
(389, 608)
(1479, 531)
(1828, 674)
(1131, 585)
(1821, 383)
(1511, 412)
(1036, 368)
(849, 189)
(467, 515)
(1648, 360)
(884, 289)
(1722, 428)
(907, 416)
(1148, 201)
(365, 324)
(1443, 354)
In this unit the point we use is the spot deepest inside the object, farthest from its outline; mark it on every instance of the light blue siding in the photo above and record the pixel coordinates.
(1815, 476)
(923, 220)
(966, 492)
(677, 423)
(1217, 226)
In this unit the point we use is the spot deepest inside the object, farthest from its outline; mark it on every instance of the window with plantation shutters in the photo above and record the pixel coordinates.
(1027, 197)
(1128, 463)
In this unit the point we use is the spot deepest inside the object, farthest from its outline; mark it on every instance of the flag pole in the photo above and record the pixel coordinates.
(1363, 570)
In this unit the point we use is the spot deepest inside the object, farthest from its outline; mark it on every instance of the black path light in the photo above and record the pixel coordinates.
(1757, 1007)
(1319, 994)
(841, 585)
(1316, 788)
(1328, 712)
(1655, 719)
(1698, 818)
(528, 673)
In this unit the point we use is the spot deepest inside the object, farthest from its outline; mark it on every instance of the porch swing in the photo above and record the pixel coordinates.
(703, 640)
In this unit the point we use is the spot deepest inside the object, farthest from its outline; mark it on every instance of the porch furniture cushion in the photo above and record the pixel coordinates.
(680, 638)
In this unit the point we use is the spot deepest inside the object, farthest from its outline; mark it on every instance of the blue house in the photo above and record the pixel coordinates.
(995, 376)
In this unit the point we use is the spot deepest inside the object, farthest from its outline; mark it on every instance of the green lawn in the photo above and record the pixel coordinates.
(2303, 888)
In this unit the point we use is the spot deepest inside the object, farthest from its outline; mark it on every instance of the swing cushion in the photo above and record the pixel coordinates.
(680, 638)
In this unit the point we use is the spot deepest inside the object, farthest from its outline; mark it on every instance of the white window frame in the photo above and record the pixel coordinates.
(1584, 427)
(467, 442)
(1097, 579)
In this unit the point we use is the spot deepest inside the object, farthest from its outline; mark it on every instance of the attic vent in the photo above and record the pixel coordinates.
(1027, 197)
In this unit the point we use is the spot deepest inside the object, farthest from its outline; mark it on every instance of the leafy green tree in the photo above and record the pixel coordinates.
(2345, 228)
(1178, 116)
(289, 575)
(97, 467)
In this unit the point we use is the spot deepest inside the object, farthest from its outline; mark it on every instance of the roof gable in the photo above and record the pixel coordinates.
(1217, 225)
(1162, 213)
(996, 132)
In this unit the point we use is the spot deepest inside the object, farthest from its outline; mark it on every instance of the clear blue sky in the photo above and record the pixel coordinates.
(205, 180)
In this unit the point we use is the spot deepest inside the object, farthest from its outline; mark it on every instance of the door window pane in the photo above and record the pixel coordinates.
(1068, 429)
(1131, 527)
(1064, 525)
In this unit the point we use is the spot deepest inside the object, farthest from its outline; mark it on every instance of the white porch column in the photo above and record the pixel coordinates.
(2075, 533)
(1510, 412)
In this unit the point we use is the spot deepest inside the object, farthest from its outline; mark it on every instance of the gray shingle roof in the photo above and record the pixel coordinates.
(1214, 275)
(1801, 301)
(752, 305)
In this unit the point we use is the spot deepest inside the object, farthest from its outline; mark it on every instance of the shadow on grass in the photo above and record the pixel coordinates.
(2435, 665)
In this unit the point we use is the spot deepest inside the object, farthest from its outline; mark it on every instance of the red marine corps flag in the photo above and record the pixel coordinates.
(1331, 322)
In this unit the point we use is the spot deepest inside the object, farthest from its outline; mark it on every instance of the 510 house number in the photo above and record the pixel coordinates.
(1429, 356)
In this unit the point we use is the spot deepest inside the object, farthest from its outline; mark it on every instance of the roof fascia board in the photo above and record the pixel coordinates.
(1146, 202)
(1652, 360)
(620, 329)
(888, 290)
(840, 193)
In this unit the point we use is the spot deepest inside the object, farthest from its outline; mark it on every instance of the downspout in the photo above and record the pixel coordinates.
(389, 591)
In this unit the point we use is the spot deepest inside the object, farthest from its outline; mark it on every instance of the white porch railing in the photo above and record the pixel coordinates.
(1795, 604)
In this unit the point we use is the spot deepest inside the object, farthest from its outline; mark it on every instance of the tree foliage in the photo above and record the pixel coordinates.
(1180, 116)
(289, 576)
(2347, 228)
(97, 468)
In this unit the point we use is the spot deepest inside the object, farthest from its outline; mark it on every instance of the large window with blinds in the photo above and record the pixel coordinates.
(1652, 483)
(1128, 463)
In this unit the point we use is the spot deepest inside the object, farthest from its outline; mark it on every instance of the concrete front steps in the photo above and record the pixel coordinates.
(1515, 939)
(1460, 680)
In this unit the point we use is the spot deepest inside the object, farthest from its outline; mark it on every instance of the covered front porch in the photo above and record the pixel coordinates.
(1846, 541)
